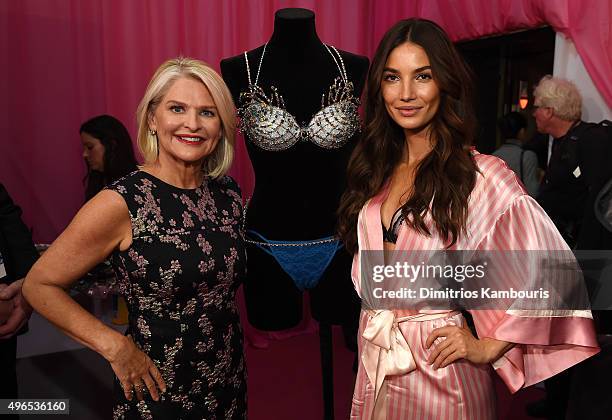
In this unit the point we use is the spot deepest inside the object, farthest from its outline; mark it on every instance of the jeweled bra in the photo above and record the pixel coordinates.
(267, 123)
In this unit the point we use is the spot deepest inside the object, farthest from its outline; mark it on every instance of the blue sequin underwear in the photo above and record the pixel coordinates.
(304, 261)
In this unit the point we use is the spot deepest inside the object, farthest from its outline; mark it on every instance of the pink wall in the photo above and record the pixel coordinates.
(64, 61)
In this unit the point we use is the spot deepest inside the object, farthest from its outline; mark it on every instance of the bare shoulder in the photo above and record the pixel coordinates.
(104, 221)
(100, 227)
(106, 206)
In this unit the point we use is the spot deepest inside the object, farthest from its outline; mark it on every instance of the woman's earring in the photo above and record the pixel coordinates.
(152, 132)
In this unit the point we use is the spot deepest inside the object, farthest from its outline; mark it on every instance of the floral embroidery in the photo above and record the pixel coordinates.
(179, 277)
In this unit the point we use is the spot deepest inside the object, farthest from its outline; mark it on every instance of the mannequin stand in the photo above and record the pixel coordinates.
(327, 369)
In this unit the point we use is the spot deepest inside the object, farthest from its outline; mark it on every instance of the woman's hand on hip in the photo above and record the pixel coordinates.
(459, 343)
(136, 371)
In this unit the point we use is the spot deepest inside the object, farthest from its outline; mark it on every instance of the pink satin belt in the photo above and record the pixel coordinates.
(386, 351)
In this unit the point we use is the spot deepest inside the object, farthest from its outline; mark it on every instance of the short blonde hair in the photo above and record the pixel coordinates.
(220, 161)
(561, 95)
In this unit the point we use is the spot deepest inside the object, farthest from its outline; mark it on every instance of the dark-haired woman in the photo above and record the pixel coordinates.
(108, 154)
(107, 151)
(414, 184)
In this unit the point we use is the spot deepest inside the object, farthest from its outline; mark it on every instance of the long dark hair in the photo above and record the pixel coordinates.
(445, 178)
(119, 157)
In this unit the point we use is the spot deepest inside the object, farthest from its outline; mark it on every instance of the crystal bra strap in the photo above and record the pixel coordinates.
(341, 67)
(260, 61)
(246, 59)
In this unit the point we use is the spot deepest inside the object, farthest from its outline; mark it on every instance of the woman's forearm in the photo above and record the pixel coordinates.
(53, 303)
(496, 348)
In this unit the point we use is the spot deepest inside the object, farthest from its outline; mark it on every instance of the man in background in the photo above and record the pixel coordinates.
(17, 255)
(578, 168)
(513, 128)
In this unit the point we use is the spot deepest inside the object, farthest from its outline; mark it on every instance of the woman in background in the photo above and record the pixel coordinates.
(107, 151)
(109, 155)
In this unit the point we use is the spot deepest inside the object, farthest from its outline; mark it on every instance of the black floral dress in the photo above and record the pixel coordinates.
(179, 278)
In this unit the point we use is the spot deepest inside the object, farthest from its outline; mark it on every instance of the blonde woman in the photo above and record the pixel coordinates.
(172, 229)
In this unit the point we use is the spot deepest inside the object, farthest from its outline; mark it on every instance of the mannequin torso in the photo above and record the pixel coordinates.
(297, 190)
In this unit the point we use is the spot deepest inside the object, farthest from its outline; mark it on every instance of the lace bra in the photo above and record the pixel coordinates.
(268, 125)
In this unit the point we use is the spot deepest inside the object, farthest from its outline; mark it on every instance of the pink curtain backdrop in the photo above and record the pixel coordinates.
(64, 61)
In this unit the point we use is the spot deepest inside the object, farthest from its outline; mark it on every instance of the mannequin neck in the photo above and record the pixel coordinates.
(294, 28)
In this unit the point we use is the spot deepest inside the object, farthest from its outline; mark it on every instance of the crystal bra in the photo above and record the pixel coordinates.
(268, 125)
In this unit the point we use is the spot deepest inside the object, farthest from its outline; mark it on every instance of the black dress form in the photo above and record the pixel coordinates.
(297, 190)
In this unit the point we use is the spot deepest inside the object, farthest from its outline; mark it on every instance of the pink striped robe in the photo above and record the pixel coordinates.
(502, 216)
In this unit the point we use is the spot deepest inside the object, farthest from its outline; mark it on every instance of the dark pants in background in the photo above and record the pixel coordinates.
(8, 375)
(557, 394)
(589, 396)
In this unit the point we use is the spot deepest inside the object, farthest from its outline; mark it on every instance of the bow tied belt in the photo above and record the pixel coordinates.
(386, 352)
